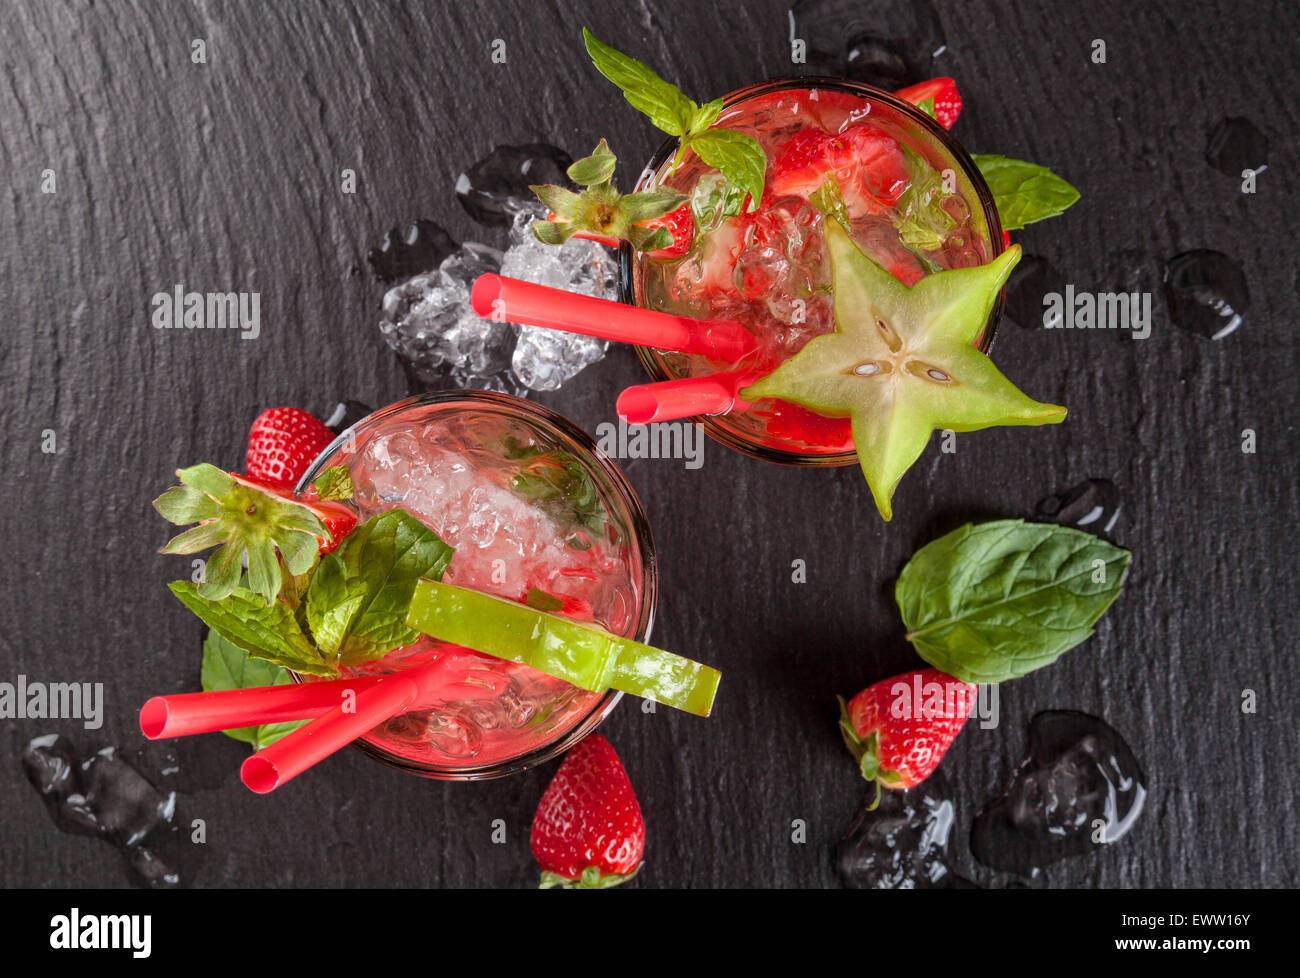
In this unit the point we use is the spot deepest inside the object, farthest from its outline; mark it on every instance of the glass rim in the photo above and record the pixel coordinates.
(627, 288)
(639, 525)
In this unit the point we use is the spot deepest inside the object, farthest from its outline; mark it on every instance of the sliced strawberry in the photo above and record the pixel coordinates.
(947, 100)
(282, 444)
(866, 163)
(339, 519)
(681, 223)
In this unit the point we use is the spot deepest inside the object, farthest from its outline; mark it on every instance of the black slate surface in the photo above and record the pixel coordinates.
(225, 176)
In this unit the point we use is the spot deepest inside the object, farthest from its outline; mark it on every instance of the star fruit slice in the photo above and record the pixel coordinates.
(577, 652)
(900, 362)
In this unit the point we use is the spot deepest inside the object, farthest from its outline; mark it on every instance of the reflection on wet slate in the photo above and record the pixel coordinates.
(489, 189)
(902, 844)
(105, 797)
(1093, 504)
(886, 43)
(1206, 292)
(1032, 279)
(1079, 788)
(418, 247)
(1235, 144)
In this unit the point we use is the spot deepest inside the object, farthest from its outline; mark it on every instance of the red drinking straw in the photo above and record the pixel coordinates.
(195, 713)
(289, 756)
(668, 400)
(511, 300)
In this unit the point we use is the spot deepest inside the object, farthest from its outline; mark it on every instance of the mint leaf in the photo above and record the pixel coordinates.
(830, 201)
(995, 601)
(705, 116)
(735, 155)
(268, 632)
(1024, 192)
(227, 666)
(357, 600)
(920, 218)
(334, 483)
(714, 199)
(542, 600)
(557, 482)
(927, 106)
(664, 104)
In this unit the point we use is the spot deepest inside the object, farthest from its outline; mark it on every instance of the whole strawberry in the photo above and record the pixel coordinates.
(282, 444)
(899, 729)
(588, 832)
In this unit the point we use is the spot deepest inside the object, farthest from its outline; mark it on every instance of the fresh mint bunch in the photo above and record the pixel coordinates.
(600, 210)
(735, 155)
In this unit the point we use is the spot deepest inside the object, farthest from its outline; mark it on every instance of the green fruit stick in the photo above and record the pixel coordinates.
(580, 653)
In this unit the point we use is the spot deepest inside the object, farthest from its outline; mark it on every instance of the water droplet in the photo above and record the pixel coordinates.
(1032, 279)
(1236, 144)
(1093, 503)
(1206, 292)
(891, 43)
(345, 415)
(487, 189)
(902, 844)
(418, 247)
(1079, 772)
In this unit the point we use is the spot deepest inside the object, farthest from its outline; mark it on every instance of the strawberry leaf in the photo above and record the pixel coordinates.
(663, 103)
(559, 200)
(594, 169)
(650, 204)
(648, 239)
(553, 232)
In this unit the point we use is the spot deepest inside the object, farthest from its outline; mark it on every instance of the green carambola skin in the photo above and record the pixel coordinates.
(900, 362)
(579, 653)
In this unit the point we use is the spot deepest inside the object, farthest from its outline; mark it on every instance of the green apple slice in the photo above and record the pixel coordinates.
(580, 653)
(900, 362)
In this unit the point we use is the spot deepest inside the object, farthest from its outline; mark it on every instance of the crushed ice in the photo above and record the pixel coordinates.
(428, 321)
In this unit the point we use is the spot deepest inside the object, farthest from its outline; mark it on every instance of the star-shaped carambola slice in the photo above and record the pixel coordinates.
(900, 362)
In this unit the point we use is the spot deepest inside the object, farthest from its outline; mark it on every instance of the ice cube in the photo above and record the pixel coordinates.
(428, 321)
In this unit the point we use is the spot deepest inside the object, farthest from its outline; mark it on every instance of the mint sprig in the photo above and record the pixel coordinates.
(357, 601)
(349, 608)
(735, 155)
(227, 666)
(600, 210)
(1024, 192)
(995, 601)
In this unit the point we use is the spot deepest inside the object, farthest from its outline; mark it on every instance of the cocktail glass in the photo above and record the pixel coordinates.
(528, 502)
(772, 112)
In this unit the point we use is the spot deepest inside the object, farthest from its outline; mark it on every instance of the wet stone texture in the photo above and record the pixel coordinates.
(228, 176)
